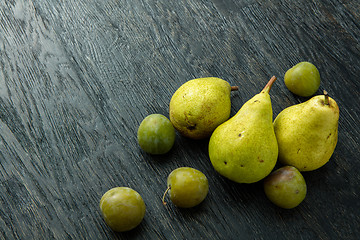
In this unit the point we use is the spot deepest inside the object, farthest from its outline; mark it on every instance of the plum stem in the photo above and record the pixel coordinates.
(163, 198)
(234, 88)
(326, 102)
(269, 84)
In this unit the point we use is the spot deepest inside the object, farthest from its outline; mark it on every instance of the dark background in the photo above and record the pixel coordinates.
(78, 77)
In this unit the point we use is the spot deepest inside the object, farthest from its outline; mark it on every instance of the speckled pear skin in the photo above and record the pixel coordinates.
(307, 133)
(199, 106)
(244, 148)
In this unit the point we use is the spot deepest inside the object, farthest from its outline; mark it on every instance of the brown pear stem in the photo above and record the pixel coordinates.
(269, 84)
(163, 198)
(234, 88)
(326, 101)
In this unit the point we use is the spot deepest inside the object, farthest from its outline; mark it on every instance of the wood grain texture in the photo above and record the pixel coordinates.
(78, 77)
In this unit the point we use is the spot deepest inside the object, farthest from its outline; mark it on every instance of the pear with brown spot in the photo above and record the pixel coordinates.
(307, 133)
(244, 148)
(200, 105)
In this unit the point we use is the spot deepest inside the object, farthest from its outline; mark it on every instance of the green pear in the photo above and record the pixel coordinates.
(244, 148)
(200, 105)
(307, 133)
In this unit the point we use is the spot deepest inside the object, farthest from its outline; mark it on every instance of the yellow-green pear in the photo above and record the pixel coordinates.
(244, 148)
(307, 133)
(200, 105)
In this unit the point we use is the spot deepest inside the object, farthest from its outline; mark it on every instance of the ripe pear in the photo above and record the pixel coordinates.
(200, 105)
(244, 148)
(307, 133)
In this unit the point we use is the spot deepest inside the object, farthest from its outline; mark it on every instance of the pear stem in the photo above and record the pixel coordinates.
(163, 198)
(326, 102)
(234, 88)
(269, 84)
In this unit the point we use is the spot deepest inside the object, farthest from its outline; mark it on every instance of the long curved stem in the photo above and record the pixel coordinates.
(269, 84)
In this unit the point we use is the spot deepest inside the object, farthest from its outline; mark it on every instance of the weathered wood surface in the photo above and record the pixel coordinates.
(77, 78)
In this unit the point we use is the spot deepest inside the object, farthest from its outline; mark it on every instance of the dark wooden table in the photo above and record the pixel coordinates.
(77, 78)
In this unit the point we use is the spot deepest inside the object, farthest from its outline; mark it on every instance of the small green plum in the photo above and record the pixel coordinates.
(303, 79)
(285, 187)
(156, 134)
(187, 187)
(122, 208)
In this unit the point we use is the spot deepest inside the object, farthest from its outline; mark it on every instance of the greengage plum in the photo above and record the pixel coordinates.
(187, 187)
(156, 134)
(303, 79)
(122, 208)
(285, 187)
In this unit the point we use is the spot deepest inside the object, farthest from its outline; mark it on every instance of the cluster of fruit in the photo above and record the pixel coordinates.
(244, 148)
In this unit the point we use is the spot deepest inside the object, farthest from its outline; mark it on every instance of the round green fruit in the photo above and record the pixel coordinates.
(200, 105)
(122, 208)
(303, 79)
(187, 187)
(156, 134)
(285, 187)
